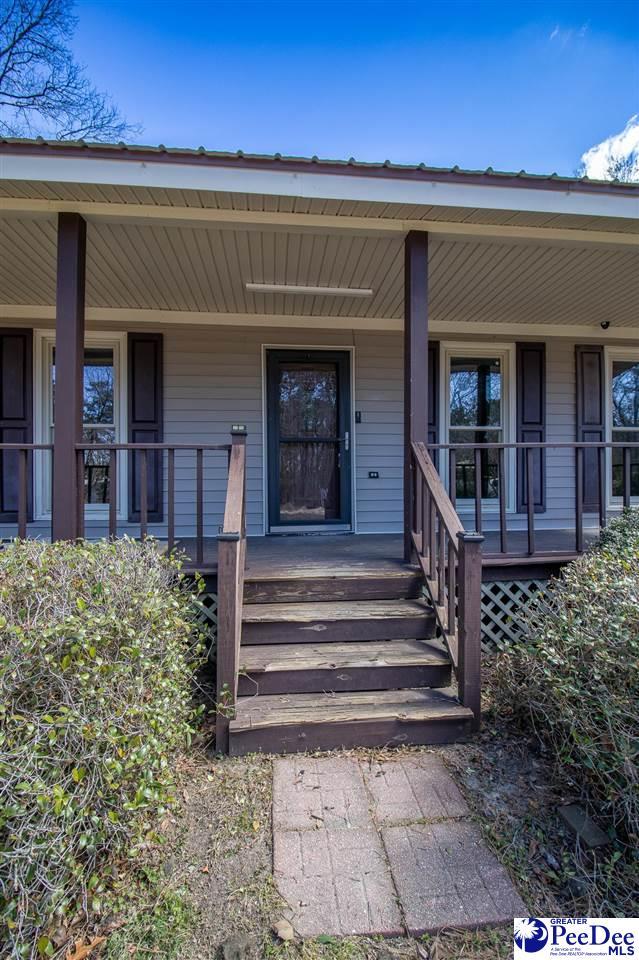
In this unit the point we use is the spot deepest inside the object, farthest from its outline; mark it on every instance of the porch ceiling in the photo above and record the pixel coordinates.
(204, 270)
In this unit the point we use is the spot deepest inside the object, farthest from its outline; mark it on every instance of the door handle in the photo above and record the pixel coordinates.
(347, 440)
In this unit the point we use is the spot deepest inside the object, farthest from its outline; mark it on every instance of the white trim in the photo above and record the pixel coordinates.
(506, 353)
(612, 353)
(233, 179)
(352, 528)
(43, 344)
(548, 331)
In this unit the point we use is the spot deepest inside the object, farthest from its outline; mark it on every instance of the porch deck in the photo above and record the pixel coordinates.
(278, 557)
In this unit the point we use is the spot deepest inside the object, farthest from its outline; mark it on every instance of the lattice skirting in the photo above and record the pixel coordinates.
(207, 617)
(503, 609)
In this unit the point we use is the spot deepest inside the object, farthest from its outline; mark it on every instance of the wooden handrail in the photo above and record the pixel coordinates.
(231, 551)
(450, 561)
(437, 490)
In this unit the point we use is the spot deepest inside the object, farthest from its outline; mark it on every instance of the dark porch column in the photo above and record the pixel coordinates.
(415, 363)
(69, 362)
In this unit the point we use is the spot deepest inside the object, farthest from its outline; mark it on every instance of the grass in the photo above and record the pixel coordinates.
(158, 929)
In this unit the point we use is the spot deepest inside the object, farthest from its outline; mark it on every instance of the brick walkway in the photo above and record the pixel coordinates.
(382, 848)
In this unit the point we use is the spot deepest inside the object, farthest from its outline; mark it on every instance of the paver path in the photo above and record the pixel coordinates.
(381, 848)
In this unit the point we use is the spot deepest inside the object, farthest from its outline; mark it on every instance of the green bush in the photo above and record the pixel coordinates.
(97, 653)
(574, 675)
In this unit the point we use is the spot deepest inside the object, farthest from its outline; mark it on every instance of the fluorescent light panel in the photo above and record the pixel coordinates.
(296, 288)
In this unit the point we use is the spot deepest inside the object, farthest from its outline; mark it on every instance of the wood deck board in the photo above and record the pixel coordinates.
(264, 658)
(361, 555)
(304, 708)
(328, 611)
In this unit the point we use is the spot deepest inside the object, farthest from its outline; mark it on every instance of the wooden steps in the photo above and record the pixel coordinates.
(368, 665)
(311, 721)
(350, 583)
(342, 621)
(341, 655)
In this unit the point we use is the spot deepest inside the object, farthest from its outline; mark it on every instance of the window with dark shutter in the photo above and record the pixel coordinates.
(16, 416)
(145, 419)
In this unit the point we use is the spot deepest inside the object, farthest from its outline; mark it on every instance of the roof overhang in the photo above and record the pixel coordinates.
(537, 196)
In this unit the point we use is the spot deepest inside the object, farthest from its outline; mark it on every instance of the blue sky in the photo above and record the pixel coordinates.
(505, 84)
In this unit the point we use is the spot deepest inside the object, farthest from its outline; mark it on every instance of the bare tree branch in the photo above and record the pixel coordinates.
(43, 91)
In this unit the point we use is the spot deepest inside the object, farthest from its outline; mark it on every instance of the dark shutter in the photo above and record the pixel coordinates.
(590, 415)
(531, 421)
(16, 416)
(145, 419)
(433, 391)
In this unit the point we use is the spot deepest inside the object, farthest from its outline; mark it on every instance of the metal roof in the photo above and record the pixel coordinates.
(363, 168)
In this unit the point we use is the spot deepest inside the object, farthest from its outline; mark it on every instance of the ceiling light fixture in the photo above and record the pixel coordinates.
(304, 290)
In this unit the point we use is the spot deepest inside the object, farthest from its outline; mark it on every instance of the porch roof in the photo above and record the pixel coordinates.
(176, 235)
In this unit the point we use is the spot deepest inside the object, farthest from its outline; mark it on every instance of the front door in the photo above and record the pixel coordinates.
(309, 444)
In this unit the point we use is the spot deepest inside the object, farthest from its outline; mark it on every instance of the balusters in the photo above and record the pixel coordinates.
(144, 494)
(601, 476)
(579, 499)
(200, 504)
(113, 493)
(22, 494)
(501, 481)
(626, 477)
(530, 501)
(477, 460)
(171, 500)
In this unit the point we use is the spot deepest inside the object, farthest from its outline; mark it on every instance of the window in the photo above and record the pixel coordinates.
(477, 411)
(624, 416)
(102, 419)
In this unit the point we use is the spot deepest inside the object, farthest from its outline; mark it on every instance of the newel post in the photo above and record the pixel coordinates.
(68, 501)
(469, 649)
(231, 551)
(415, 366)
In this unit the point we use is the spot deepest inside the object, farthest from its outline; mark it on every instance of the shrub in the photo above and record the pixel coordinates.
(97, 652)
(574, 675)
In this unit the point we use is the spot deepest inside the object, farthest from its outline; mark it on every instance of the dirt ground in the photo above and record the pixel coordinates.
(224, 853)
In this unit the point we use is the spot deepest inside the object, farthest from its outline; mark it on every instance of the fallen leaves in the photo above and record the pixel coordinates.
(81, 950)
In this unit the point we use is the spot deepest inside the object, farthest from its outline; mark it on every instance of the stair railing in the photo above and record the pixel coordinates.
(450, 560)
(231, 556)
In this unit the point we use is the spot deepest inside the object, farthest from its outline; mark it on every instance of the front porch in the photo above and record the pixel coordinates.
(444, 367)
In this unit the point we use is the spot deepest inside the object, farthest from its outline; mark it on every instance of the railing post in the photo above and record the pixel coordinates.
(230, 588)
(469, 650)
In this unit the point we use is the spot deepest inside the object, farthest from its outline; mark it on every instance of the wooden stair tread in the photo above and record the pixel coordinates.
(308, 612)
(266, 658)
(323, 572)
(422, 705)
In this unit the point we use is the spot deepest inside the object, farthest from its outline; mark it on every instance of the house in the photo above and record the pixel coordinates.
(393, 379)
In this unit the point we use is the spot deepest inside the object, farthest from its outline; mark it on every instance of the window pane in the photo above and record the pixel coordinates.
(625, 393)
(309, 482)
(465, 464)
(98, 385)
(475, 391)
(308, 399)
(619, 436)
(96, 466)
